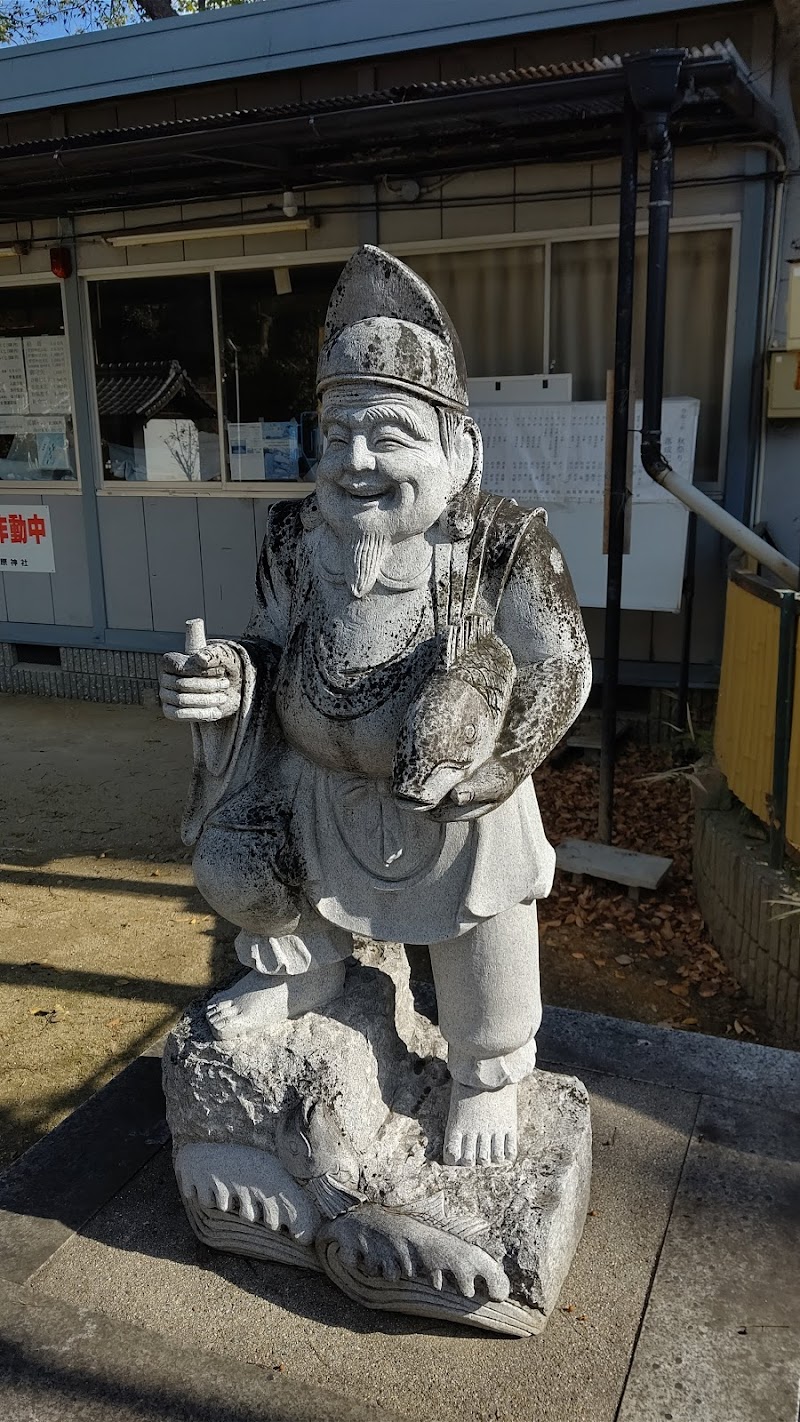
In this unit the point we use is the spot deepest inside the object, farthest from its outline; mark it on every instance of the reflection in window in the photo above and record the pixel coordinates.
(36, 438)
(155, 379)
(269, 345)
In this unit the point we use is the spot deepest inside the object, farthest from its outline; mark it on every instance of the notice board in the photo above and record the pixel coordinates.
(554, 456)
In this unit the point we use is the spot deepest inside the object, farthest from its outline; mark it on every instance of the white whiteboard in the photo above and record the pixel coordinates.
(554, 455)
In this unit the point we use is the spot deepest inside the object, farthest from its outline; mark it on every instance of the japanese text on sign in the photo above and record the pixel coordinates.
(555, 454)
(26, 543)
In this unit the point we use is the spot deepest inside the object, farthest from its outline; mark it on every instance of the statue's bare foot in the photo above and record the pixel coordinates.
(256, 1002)
(481, 1126)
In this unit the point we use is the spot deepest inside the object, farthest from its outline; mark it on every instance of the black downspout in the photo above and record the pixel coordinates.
(655, 86)
(617, 497)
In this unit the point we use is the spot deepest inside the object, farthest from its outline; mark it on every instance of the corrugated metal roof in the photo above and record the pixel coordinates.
(543, 113)
(608, 65)
(274, 36)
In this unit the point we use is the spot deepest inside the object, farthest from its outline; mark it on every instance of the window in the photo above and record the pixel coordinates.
(269, 344)
(156, 379)
(36, 437)
(211, 377)
(584, 285)
(495, 300)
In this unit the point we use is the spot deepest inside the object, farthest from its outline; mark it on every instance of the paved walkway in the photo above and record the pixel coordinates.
(683, 1301)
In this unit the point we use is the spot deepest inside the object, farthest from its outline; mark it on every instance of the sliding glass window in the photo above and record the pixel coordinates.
(156, 379)
(583, 312)
(210, 377)
(36, 438)
(270, 329)
(495, 299)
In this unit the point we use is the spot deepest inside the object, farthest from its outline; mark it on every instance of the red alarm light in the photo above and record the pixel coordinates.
(61, 262)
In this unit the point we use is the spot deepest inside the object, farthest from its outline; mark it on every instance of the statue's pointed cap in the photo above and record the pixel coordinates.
(386, 326)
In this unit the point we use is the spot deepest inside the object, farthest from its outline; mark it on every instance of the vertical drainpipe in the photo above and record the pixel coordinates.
(653, 82)
(655, 86)
(617, 497)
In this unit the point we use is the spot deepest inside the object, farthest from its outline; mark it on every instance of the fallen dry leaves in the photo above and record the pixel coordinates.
(659, 948)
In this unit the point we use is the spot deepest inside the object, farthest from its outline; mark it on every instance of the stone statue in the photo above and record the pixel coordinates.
(363, 761)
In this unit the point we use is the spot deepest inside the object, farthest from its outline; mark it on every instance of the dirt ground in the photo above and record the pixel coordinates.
(103, 939)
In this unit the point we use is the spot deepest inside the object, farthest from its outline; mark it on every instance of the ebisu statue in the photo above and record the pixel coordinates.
(363, 763)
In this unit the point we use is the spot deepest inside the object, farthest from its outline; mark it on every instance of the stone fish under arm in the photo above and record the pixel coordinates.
(452, 727)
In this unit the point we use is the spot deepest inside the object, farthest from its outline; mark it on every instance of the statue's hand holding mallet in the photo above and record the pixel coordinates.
(202, 683)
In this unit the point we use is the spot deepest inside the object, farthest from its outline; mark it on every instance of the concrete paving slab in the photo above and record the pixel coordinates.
(59, 1183)
(61, 1363)
(741, 1071)
(138, 1262)
(721, 1336)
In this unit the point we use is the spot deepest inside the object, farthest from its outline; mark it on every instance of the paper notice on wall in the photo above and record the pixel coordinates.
(13, 386)
(34, 425)
(51, 450)
(46, 370)
(555, 454)
(26, 542)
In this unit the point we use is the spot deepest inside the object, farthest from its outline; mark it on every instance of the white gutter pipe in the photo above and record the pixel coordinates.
(784, 569)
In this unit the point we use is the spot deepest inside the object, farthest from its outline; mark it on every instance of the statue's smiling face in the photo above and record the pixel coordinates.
(383, 468)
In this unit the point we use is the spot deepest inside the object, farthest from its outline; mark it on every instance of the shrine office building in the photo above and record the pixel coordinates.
(177, 199)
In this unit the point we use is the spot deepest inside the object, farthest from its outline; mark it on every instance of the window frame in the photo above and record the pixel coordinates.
(49, 486)
(274, 489)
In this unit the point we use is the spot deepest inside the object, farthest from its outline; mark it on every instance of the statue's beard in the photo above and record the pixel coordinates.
(367, 553)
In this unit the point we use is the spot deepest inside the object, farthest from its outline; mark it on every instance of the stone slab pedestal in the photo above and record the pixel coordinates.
(318, 1143)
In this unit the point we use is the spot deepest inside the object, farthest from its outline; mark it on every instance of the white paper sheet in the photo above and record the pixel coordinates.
(13, 386)
(555, 454)
(46, 370)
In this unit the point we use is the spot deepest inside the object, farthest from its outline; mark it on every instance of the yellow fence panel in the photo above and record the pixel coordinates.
(744, 736)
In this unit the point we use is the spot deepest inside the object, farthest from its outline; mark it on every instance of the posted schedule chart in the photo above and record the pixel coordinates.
(555, 455)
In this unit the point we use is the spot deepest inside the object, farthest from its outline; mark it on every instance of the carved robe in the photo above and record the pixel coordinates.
(295, 791)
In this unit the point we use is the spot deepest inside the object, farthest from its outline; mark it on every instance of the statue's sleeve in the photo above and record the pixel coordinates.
(275, 576)
(226, 752)
(540, 621)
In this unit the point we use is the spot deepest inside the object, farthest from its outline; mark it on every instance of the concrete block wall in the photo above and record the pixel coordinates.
(85, 674)
(740, 898)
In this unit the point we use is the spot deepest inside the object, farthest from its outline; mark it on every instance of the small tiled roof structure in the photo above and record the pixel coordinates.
(147, 388)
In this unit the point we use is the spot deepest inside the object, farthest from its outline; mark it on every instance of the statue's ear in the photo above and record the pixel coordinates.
(458, 519)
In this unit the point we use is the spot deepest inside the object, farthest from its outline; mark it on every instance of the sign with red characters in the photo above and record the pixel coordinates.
(26, 540)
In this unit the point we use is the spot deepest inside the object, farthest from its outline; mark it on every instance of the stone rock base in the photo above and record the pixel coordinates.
(319, 1143)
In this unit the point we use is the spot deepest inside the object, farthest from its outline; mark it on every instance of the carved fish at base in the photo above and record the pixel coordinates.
(315, 1151)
